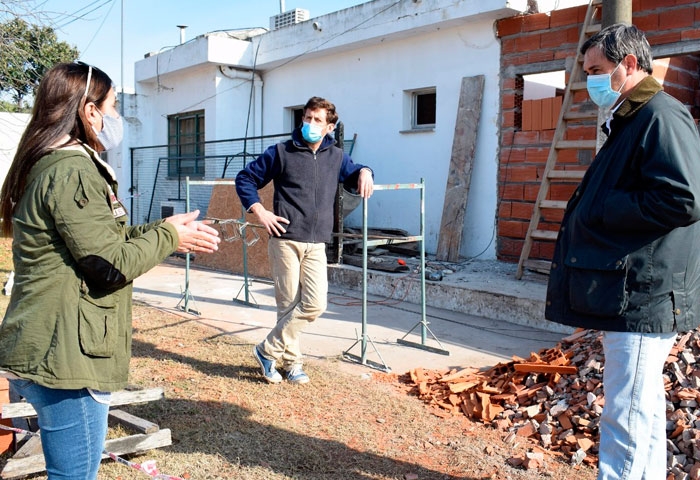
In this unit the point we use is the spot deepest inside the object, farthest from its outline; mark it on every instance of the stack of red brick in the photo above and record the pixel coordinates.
(555, 397)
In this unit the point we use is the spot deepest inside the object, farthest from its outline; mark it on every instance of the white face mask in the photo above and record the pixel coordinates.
(112, 131)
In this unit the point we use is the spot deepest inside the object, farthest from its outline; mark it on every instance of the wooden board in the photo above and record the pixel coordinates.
(459, 175)
(224, 203)
(30, 459)
(122, 397)
(19, 467)
(133, 422)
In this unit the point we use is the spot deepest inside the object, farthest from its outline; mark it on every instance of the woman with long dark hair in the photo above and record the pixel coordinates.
(65, 341)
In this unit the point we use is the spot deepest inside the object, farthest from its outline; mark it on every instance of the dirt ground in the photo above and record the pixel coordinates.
(227, 423)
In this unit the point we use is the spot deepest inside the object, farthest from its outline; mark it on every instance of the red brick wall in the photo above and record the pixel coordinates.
(529, 44)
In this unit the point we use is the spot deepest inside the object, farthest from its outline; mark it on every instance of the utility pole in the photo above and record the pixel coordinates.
(616, 11)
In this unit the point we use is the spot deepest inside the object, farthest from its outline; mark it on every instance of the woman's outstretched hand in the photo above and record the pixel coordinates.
(194, 236)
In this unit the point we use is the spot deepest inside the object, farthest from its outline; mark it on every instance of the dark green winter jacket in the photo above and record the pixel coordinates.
(627, 258)
(68, 325)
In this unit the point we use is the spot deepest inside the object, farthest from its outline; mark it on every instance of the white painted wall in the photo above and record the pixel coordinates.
(367, 85)
(363, 59)
(12, 126)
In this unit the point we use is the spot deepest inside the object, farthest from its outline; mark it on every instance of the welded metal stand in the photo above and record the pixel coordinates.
(364, 337)
(245, 288)
(424, 329)
(247, 282)
(184, 303)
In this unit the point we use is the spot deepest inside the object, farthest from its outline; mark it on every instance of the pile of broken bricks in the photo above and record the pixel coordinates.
(554, 399)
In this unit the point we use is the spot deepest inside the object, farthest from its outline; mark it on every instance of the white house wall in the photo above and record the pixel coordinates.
(12, 126)
(364, 59)
(224, 100)
(367, 85)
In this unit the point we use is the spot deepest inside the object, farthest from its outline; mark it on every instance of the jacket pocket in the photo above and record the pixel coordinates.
(97, 325)
(598, 292)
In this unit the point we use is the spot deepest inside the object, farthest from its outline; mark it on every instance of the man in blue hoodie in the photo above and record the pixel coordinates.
(305, 171)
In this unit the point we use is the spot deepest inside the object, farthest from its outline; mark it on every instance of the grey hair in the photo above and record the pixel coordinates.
(618, 40)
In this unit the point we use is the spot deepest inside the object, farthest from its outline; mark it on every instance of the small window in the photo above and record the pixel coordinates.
(186, 144)
(293, 117)
(297, 117)
(419, 110)
(424, 109)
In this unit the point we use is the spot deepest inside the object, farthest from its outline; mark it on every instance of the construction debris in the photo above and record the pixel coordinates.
(554, 399)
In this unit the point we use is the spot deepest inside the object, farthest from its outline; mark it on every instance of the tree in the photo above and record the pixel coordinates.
(26, 52)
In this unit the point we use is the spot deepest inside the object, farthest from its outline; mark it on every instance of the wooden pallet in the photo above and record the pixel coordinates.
(30, 459)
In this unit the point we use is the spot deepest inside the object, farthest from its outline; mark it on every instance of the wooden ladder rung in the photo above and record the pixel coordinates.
(541, 266)
(581, 115)
(554, 204)
(578, 86)
(576, 145)
(566, 174)
(593, 28)
(544, 235)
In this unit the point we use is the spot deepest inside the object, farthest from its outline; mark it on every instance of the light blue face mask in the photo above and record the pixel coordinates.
(600, 89)
(311, 133)
(112, 131)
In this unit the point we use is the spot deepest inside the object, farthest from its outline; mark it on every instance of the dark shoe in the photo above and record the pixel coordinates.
(297, 375)
(267, 367)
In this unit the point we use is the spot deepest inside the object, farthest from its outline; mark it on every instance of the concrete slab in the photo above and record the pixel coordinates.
(472, 340)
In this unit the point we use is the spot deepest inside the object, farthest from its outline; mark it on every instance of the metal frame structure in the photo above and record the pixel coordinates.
(363, 338)
(183, 304)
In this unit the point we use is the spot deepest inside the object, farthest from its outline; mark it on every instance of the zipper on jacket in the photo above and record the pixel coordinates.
(316, 189)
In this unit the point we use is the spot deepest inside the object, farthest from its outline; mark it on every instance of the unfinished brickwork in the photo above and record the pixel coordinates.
(540, 42)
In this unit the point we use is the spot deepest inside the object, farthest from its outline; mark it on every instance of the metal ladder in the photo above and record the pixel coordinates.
(570, 113)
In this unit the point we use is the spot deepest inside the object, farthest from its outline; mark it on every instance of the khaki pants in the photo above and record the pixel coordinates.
(300, 273)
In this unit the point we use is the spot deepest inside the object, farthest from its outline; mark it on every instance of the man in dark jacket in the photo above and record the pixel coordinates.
(305, 171)
(627, 260)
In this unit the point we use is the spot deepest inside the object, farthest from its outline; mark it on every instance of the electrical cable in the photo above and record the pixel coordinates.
(101, 25)
(74, 18)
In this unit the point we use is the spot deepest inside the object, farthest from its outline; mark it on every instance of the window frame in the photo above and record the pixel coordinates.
(411, 110)
(189, 163)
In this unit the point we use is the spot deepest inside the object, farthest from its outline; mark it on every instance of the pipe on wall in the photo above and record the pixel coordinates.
(251, 76)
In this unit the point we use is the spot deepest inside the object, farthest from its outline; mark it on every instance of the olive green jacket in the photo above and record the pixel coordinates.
(68, 325)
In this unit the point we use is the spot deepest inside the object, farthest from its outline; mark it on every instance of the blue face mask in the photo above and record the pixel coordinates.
(600, 89)
(311, 133)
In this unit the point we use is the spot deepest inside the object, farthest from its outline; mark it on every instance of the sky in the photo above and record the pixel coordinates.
(95, 26)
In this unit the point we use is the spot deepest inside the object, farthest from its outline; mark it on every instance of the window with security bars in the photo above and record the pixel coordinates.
(186, 144)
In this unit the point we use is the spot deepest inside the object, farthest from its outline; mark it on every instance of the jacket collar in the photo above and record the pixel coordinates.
(640, 96)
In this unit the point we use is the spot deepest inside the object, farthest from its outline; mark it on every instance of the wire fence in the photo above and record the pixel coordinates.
(159, 173)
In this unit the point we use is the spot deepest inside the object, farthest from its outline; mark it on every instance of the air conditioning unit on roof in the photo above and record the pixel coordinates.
(289, 17)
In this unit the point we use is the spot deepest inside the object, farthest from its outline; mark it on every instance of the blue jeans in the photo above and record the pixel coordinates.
(73, 427)
(633, 422)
